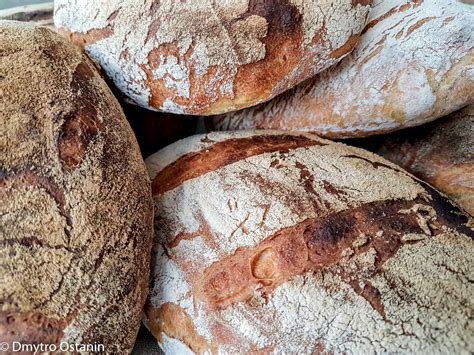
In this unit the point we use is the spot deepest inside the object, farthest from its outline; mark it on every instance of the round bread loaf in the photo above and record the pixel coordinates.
(441, 153)
(271, 242)
(76, 212)
(414, 63)
(210, 57)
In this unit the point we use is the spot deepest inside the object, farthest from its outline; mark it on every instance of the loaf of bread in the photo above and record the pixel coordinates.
(441, 153)
(272, 242)
(76, 212)
(414, 63)
(210, 57)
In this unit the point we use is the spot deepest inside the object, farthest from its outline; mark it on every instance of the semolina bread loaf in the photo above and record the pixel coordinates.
(76, 212)
(210, 57)
(274, 242)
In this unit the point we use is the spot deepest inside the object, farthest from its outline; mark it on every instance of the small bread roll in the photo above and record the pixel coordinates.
(76, 212)
(210, 57)
(272, 242)
(441, 153)
(413, 64)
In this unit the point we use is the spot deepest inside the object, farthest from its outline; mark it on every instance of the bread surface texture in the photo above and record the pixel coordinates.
(277, 242)
(413, 64)
(209, 57)
(76, 212)
(441, 153)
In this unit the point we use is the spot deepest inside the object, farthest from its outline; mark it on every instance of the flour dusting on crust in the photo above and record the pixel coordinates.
(197, 57)
(319, 247)
(413, 64)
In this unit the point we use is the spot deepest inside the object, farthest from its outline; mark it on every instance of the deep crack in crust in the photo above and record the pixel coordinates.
(76, 212)
(206, 57)
(302, 247)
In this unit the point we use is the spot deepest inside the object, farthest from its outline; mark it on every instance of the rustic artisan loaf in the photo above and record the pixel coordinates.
(286, 243)
(441, 153)
(76, 212)
(414, 63)
(210, 57)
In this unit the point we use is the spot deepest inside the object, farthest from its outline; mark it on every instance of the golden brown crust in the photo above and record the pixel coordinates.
(193, 165)
(173, 321)
(212, 57)
(296, 248)
(76, 211)
(441, 153)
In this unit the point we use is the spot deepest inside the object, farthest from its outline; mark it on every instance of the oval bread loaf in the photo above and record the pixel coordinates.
(441, 153)
(271, 242)
(210, 57)
(76, 212)
(413, 64)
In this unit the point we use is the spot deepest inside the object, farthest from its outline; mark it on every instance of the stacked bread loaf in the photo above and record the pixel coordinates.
(413, 64)
(209, 57)
(288, 243)
(265, 241)
(441, 153)
(76, 210)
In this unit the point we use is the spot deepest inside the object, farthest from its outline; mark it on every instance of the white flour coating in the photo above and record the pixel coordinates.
(177, 23)
(339, 19)
(170, 106)
(321, 307)
(170, 285)
(158, 161)
(175, 75)
(239, 213)
(243, 203)
(410, 67)
(174, 346)
(189, 46)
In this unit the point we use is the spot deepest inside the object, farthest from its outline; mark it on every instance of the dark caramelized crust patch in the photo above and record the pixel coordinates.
(283, 18)
(193, 165)
(317, 244)
(82, 125)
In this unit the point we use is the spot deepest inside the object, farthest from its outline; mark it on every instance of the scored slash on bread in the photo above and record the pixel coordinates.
(413, 64)
(285, 242)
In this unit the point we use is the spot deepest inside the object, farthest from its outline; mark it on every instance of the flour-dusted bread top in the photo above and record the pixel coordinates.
(414, 63)
(441, 153)
(209, 57)
(287, 243)
(76, 211)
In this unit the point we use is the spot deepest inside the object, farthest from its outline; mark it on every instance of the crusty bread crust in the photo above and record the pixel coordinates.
(414, 63)
(287, 243)
(210, 57)
(441, 153)
(76, 211)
